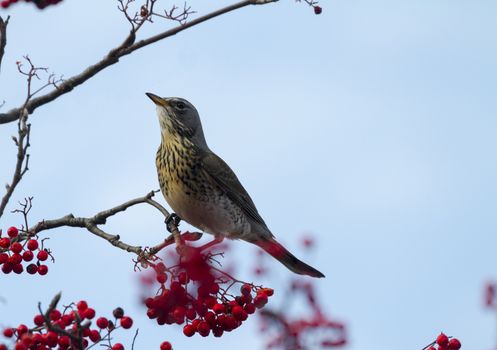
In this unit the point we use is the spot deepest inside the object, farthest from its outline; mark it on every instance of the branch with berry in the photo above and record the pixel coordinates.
(21, 246)
(192, 290)
(69, 327)
(444, 342)
(314, 5)
(286, 327)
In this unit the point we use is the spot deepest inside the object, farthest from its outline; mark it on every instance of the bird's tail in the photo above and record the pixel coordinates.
(281, 254)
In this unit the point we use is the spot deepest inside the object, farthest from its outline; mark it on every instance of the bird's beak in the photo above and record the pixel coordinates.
(159, 101)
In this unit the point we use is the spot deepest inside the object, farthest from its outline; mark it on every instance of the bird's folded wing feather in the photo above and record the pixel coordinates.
(222, 175)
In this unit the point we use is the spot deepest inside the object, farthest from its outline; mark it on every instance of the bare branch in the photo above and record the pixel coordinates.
(128, 46)
(91, 224)
(23, 128)
(3, 37)
(22, 143)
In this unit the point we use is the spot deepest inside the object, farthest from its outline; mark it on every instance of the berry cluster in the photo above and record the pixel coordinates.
(197, 294)
(14, 251)
(67, 329)
(297, 333)
(313, 329)
(444, 343)
(41, 4)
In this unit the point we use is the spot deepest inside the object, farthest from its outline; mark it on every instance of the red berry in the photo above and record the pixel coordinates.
(20, 346)
(16, 247)
(237, 312)
(42, 255)
(179, 314)
(126, 322)
(64, 341)
(102, 322)
(39, 320)
(32, 244)
(228, 323)
(68, 318)
(32, 269)
(118, 346)
(183, 278)
(442, 340)
(94, 335)
(189, 330)
(51, 338)
(210, 318)
(22, 329)
(191, 314)
(218, 332)
(7, 267)
(214, 288)
(12, 232)
(203, 329)
(246, 289)
(249, 308)
(42, 270)
(38, 338)
(27, 255)
(82, 305)
(260, 300)
(454, 344)
(166, 346)
(16, 258)
(195, 322)
(55, 315)
(219, 308)
(3, 258)
(8, 332)
(268, 291)
(4, 242)
(18, 268)
(161, 278)
(89, 313)
(317, 10)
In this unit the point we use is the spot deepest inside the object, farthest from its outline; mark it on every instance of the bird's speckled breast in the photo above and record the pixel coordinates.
(192, 196)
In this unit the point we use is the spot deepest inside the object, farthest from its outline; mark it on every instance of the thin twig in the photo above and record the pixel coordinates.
(22, 162)
(134, 338)
(128, 46)
(48, 322)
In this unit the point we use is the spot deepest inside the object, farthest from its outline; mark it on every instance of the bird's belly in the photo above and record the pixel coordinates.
(212, 213)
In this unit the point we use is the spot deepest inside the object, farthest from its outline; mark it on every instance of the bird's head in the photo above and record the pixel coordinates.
(178, 117)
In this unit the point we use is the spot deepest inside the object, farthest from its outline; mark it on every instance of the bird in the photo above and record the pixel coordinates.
(203, 190)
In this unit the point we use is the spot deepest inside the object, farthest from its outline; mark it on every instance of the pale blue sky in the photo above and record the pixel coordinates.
(372, 125)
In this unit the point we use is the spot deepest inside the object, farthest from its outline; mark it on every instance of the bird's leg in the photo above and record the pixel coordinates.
(217, 239)
(172, 219)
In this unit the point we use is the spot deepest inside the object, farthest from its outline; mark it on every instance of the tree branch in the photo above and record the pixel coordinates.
(128, 46)
(3, 37)
(91, 224)
(22, 162)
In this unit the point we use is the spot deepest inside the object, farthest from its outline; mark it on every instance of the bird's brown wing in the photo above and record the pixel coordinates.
(221, 174)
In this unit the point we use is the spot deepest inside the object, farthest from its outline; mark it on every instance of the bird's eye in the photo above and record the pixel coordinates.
(180, 105)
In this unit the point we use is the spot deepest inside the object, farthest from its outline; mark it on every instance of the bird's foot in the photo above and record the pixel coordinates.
(172, 221)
